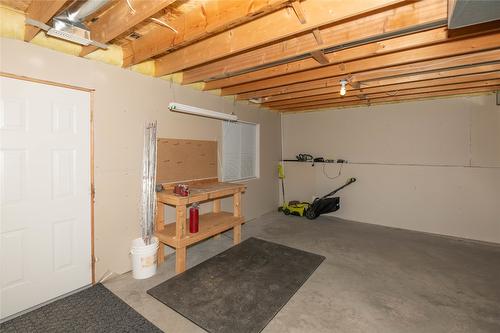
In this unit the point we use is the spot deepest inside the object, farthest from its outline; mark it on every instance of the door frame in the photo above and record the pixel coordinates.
(92, 187)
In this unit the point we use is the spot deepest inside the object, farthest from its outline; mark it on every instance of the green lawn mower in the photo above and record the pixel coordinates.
(296, 208)
(323, 205)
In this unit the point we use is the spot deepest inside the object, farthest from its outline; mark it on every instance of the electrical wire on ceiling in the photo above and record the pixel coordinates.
(162, 23)
(129, 4)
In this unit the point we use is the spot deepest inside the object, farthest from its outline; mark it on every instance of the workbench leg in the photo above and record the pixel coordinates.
(237, 234)
(237, 213)
(159, 226)
(180, 260)
(180, 221)
(180, 231)
(216, 209)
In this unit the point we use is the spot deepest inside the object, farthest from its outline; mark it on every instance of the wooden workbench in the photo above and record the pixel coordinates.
(177, 234)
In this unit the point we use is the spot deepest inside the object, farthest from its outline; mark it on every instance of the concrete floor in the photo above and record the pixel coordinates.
(375, 279)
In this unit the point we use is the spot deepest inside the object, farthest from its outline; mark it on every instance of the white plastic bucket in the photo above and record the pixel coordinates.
(144, 258)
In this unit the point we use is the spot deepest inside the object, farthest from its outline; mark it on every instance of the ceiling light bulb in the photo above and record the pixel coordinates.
(342, 87)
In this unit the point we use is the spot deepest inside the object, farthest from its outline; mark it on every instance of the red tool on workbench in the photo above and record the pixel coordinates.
(181, 189)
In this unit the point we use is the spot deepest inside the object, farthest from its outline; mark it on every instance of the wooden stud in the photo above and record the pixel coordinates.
(320, 57)
(120, 19)
(297, 8)
(317, 36)
(378, 24)
(41, 11)
(202, 21)
(456, 47)
(266, 29)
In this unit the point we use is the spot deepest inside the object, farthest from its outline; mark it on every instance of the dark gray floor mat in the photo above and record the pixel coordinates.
(241, 289)
(95, 309)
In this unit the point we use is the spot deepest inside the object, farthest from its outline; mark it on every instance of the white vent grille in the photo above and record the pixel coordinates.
(68, 36)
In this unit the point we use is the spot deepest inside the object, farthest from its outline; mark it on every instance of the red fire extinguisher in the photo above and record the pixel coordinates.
(194, 215)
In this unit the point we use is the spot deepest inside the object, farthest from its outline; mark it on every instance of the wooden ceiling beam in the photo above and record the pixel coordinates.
(396, 90)
(266, 29)
(200, 22)
(120, 18)
(418, 39)
(42, 11)
(379, 24)
(317, 36)
(313, 87)
(455, 47)
(395, 99)
(411, 78)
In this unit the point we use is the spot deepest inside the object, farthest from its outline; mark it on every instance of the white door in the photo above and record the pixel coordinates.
(45, 193)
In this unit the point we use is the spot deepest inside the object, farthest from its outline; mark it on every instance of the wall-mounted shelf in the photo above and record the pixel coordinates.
(312, 162)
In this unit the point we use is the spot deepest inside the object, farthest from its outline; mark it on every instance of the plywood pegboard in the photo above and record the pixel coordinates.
(182, 160)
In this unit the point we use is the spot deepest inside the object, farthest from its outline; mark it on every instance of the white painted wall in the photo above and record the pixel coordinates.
(124, 100)
(437, 164)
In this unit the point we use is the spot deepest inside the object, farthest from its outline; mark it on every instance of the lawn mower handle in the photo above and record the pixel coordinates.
(349, 182)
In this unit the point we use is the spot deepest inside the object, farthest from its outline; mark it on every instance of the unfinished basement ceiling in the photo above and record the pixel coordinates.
(292, 55)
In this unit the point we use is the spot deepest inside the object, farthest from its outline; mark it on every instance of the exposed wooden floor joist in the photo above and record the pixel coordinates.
(267, 29)
(201, 22)
(308, 88)
(291, 55)
(395, 91)
(455, 47)
(339, 35)
(392, 99)
(120, 19)
(390, 89)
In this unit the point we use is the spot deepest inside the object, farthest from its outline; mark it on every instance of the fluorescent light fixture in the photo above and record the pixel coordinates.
(176, 107)
(342, 87)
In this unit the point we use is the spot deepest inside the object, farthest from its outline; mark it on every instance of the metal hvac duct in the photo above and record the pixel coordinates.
(69, 25)
(462, 13)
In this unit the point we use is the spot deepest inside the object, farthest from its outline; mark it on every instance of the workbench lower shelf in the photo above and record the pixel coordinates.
(177, 234)
(210, 224)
